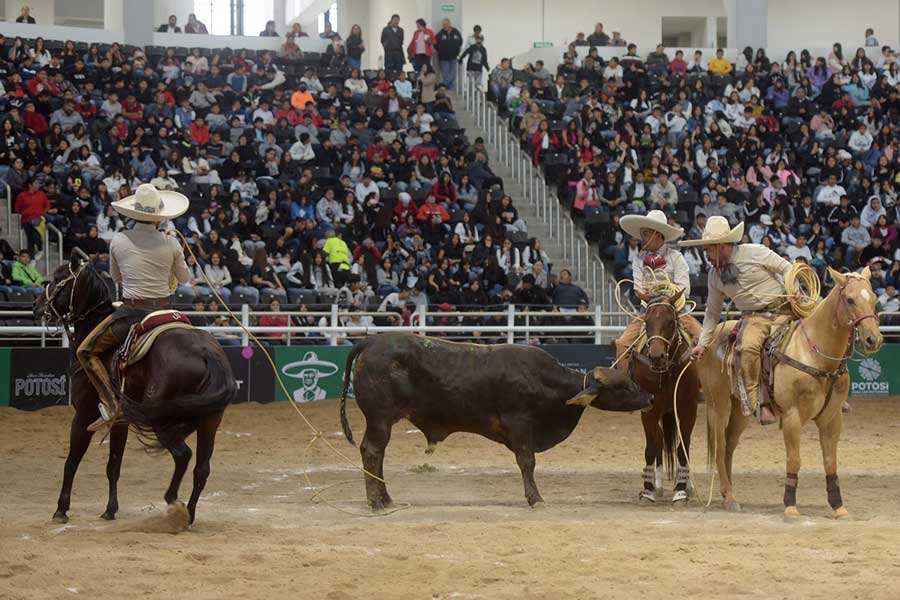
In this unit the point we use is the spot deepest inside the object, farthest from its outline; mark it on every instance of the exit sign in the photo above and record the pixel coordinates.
(448, 8)
(542, 45)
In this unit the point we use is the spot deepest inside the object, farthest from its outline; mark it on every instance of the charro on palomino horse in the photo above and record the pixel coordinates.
(805, 375)
(173, 379)
(655, 349)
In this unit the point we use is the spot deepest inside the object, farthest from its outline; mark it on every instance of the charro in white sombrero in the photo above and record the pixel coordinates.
(717, 231)
(655, 220)
(151, 204)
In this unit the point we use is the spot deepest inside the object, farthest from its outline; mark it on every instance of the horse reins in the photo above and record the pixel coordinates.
(671, 343)
(68, 318)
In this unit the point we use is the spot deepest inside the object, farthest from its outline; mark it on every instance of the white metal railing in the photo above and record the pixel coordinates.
(512, 325)
(588, 268)
(48, 229)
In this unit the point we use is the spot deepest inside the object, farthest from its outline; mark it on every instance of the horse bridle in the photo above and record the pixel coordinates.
(68, 318)
(853, 324)
(670, 343)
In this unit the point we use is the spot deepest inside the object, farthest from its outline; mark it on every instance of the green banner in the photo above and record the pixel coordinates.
(877, 375)
(311, 372)
(4, 375)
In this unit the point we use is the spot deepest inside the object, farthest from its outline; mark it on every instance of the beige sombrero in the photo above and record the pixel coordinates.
(655, 220)
(717, 231)
(151, 204)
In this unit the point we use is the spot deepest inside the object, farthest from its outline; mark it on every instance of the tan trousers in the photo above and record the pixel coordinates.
(753, 338)
(633, 330)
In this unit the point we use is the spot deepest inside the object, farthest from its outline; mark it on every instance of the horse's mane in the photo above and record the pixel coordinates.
(98, 290)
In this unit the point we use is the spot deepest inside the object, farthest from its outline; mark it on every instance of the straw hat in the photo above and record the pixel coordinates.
(151, 204)
(717, 231)
(655, 220)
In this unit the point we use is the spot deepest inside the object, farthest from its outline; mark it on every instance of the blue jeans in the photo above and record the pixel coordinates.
(252, 292)
(448, 73)
(355, 63)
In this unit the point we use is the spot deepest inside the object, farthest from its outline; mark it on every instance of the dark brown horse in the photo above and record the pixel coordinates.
(182, 385)
(656, 370)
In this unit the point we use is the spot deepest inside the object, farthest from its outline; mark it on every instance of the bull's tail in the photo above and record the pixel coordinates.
(670, 432)
(348, 373)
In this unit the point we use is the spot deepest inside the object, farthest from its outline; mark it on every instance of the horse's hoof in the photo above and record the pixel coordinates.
(680, 497)
(733, 506)
(647, 498)
(60, 517)
(841, 513)
(108, 516)
(791, 513)
(537, 503)
(377, 506)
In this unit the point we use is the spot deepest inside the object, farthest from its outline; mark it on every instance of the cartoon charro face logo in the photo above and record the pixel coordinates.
(870, 369)
(308, 371)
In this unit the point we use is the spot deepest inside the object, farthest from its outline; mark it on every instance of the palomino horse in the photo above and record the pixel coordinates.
(182, 385)
(811, 382)
(656, 370)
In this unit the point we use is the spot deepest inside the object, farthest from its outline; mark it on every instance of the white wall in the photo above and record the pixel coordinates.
(510, 26)
(380, 12)
(806, 24)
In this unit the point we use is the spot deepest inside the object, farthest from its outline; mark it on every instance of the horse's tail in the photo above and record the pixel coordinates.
(670, 431)
(348, 373)
(173, 420)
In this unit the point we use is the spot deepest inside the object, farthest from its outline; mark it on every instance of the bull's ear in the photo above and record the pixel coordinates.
(867, 273)
(838, 277)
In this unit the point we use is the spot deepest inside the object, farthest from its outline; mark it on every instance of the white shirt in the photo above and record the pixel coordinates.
(831, 195)
(144, 260)
(676, 269)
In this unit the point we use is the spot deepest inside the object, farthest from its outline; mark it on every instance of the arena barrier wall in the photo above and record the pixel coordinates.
(38, 377)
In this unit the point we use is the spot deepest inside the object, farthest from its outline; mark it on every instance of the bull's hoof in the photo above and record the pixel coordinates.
(60, 517)
(841, 513)
(679, 498)
(647, 498)
(108, 516)
(791, 514)
(536, 502)
(733, 506)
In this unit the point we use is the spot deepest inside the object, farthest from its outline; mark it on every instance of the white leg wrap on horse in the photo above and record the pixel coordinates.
(658, 479)
(649, 495)
(682, 475)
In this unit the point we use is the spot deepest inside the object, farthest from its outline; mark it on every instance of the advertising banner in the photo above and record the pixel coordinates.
(4, 376)
(38, 377)
(582, 357)
(876, 375)
(256, 382)
(311, 372)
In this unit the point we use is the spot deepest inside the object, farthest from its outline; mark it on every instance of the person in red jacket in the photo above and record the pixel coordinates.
(42, 83)
(199, 132)
(421, 46)
(33, 120)
(32, 205)
(430, 207)
(275, 319)
(404, 207)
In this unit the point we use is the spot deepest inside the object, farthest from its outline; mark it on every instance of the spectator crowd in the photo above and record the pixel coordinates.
(310, 180)
(803, 149)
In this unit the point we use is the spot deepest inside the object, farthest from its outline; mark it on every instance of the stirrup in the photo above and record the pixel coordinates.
(759, 415)
(103, 421)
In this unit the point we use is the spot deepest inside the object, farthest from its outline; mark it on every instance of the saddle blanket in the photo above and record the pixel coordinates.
(142, 335)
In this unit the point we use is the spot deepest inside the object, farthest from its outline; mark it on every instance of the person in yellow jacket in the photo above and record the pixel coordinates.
(338, 255)
(720, 65)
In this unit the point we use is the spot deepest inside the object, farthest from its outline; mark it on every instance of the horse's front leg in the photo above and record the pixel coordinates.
(652, 451)
(829, 434)
(792, 426)
(79, 440)
(118, 436)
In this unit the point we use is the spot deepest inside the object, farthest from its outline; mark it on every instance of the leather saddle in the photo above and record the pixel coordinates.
(142, 335)
(773, 349)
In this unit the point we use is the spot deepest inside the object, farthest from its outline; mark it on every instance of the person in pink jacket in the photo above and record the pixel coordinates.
(421, 46)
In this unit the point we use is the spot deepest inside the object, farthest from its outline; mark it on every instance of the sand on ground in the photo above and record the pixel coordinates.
(468, 532)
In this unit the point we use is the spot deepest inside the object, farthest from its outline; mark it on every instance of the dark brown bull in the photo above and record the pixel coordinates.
(518, 396)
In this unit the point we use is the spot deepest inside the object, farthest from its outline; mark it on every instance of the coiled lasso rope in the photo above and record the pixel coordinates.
(317, 435)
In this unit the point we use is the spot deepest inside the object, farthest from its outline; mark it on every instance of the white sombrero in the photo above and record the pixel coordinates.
(310, 362)
(717, 231)
(151, 204)
(655, 220)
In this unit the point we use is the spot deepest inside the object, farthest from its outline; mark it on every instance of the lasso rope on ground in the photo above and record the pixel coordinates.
(317, 434)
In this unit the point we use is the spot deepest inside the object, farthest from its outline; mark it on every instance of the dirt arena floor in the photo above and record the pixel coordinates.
(468, 532)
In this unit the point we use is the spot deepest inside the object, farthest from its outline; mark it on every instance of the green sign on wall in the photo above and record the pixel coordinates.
(448, 8)
(542, 44)
(311, 372)
(877, 375)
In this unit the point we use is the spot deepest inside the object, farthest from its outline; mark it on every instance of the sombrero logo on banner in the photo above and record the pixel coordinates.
(309, 370)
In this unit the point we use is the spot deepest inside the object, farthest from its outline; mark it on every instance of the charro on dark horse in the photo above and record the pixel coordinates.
(181, 383)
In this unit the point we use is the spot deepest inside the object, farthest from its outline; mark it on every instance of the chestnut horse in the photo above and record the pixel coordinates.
(811, 383)
(182, 385)
(656, 369)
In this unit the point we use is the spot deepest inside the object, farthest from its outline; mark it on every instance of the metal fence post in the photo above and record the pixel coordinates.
(245, 323)
(423, 318)
(598, 335)
(510, 324)
(332, 336)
